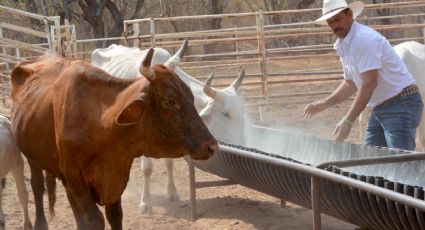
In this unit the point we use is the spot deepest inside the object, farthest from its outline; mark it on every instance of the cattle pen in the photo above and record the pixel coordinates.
(282, 59)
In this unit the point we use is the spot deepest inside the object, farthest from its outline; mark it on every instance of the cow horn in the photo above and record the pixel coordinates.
(236, 83)
(208, 90)
(175, 59)
(146, 69)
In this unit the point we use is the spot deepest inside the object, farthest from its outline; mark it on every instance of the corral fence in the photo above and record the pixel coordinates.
(282, 52)
(281, 56)
(26, 35)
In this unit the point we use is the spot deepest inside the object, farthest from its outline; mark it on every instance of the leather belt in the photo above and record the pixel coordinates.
(409, 90)
(405, 92)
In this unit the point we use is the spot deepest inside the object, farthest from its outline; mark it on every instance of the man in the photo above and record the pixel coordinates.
(378, 75)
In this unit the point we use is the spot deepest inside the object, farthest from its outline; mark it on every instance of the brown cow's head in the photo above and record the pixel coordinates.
(165, 109)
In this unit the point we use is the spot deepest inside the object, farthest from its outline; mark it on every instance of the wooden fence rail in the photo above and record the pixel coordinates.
(278, 57)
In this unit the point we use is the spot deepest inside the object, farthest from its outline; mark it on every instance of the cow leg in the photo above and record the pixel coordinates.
(18, 173)
(145, 203)
(51, 192)
(2, 219)
(37, 185)
(86, 212)
(421, 134)
(172, 191)
(114, 215)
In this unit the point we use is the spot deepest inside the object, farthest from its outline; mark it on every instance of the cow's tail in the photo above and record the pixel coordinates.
(3, 182)
(50, 180)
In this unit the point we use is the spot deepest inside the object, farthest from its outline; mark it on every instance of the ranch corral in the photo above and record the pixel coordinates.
(288, 65)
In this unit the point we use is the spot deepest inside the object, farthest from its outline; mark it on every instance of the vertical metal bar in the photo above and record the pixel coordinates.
(315, 202)
(283, 203)
(262, 50)
(192, 189)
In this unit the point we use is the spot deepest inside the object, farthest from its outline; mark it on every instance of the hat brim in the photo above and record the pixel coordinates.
(356, 7)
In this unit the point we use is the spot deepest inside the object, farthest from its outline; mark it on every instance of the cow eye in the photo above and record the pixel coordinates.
(171, 103)
(226, 114)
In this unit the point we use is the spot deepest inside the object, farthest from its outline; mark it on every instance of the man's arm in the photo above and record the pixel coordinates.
(344, 91)
(370, 81)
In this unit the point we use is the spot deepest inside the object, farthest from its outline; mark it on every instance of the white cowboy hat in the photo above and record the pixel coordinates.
(333, 7)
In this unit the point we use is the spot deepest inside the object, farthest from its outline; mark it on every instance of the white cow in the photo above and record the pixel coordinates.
(11, 161)
(222, 110)
(413, 55)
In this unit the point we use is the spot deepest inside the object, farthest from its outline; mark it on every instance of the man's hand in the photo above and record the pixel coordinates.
(313, 108)
(342, 130)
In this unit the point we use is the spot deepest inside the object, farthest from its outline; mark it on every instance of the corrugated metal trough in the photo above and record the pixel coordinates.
(357, 206)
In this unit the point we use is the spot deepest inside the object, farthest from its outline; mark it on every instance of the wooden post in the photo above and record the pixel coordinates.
(3, 48)
(152, 31)
(423, 33)
(74, 41)
(46, 29)
(136, 32)
(262, 50)
(68, 43)
(235, 35)
(58, 36)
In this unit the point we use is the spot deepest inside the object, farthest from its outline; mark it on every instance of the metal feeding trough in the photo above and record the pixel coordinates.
(376, 188)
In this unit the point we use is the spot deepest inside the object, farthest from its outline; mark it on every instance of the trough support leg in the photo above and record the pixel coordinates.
(192, 189)
(315, 203)
(282, 203)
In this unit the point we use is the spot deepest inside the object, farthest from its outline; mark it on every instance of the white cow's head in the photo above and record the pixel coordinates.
(224, 115)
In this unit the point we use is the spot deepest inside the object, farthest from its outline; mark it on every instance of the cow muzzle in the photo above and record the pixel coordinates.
(207, 150)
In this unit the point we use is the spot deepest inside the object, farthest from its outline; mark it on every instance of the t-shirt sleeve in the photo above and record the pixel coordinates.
(369, 54)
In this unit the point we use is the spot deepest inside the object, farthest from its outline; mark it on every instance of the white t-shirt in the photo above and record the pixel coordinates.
(364, 49)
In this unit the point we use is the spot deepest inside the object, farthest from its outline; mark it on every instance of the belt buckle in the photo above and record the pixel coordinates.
(409, 90)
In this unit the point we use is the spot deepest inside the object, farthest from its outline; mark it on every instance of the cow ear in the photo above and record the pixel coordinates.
(20, 74)
(132, 113)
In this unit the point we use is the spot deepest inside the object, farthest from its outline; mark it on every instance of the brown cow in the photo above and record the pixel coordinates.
(86, 126)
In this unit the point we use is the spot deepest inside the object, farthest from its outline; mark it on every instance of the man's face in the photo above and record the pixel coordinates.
(341, 23)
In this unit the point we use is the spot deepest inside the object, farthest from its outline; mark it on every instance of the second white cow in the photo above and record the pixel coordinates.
(222, 110)
(11, 161)
(413, 55)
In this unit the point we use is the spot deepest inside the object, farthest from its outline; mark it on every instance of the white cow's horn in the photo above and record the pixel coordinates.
(208, 90)
(175, 59)
(236, 83)
(146, 69)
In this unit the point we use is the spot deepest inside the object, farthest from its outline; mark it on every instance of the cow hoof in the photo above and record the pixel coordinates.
(145, 209)
(27, 226)
(41, 224)
(2, 221)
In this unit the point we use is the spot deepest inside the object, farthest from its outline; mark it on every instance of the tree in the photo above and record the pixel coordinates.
(94, 11)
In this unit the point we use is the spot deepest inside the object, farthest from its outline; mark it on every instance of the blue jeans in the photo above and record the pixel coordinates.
(393, 123)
